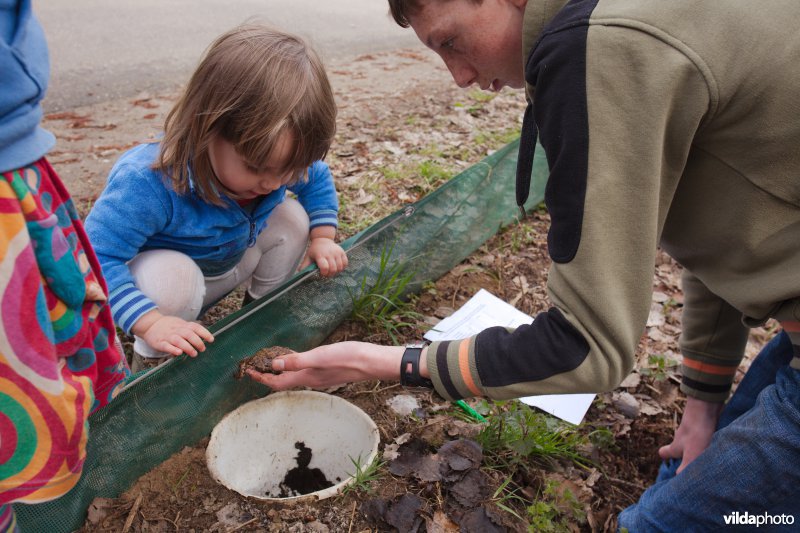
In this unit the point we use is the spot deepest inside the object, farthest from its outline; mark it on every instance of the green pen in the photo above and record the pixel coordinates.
(469, 410)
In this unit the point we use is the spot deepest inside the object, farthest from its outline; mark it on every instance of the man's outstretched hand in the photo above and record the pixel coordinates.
(332, 364)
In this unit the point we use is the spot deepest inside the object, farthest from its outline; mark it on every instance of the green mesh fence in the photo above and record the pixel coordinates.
(180, 402)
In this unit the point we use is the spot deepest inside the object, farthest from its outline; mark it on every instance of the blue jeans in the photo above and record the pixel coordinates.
(751, 466)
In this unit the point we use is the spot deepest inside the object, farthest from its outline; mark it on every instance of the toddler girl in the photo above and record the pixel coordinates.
(183, 222)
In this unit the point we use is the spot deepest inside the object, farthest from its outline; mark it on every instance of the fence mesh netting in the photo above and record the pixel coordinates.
(180, 402)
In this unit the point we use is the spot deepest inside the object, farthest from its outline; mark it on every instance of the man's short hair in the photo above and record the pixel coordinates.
(402, 9)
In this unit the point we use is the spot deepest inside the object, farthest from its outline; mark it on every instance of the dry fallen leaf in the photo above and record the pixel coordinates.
(631, 381)
(440, 523)
(363, 198)
(403, 513)
(656, 316)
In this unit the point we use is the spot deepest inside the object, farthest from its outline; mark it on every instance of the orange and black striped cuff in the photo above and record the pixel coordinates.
(708, 378)
(452, 368)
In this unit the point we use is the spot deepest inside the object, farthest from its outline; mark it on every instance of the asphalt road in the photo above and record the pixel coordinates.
(106, 49)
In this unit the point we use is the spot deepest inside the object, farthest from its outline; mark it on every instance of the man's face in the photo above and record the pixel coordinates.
(480, 43)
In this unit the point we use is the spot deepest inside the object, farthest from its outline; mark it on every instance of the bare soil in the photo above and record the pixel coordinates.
(403, 129)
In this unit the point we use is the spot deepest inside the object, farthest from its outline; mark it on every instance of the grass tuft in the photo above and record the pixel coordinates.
(515, 432)
(364, 476)
(383, 306)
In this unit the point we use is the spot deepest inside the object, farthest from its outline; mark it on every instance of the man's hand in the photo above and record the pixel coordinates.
(333, 364)
(694, 433)
(171, 334)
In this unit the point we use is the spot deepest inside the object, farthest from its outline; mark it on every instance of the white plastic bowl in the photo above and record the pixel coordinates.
(253, 447)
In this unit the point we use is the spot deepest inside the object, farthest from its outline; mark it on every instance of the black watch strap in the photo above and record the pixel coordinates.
(409, 367)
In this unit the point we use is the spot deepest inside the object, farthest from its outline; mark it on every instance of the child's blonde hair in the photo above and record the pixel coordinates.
(253, 83)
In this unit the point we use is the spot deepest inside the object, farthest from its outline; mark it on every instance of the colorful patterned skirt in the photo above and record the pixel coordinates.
(58, 358)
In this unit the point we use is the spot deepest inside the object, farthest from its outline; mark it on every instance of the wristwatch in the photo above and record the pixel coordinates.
(409, 367)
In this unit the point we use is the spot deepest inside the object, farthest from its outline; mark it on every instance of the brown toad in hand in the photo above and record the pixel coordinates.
(261, 361)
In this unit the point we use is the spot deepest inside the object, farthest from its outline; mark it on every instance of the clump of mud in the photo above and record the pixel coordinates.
(261, 361)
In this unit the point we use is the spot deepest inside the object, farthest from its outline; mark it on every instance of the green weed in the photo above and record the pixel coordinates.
(382, 305)
(659, 366)
(494, 139)
(515, 432)
(391, 173)
(556, 510)
(430, 288)
(543, 516)
(433, 173)
(669, 305)
(521, 236)
(178, 483)
(603, 439)
(482, 96)
(479, 100)
(506, 498)
(432, 150)
(364, 476)
(351, 227)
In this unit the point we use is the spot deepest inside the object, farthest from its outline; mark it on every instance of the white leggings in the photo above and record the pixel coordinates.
(177, 285)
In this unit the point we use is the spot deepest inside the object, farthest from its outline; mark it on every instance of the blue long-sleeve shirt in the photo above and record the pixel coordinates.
(24, 72)
(139, 211)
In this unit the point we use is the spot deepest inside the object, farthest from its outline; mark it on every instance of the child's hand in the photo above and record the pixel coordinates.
(329, 256)
(171, 334)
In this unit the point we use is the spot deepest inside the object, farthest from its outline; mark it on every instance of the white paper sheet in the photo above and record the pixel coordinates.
(485, 310)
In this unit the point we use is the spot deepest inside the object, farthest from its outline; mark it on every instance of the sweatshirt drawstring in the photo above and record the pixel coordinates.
(527, 148)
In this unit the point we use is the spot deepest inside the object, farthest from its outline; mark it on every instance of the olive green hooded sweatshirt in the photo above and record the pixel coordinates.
(665, 123)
